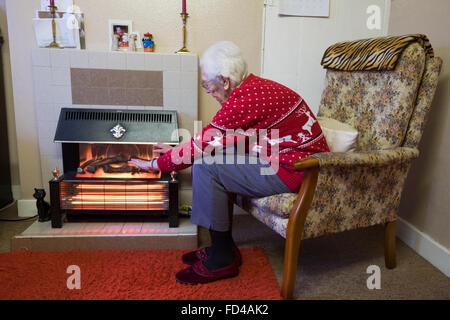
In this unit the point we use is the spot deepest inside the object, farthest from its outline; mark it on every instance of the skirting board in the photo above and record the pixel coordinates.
(424, 245)
(16, 191)
(26, 208)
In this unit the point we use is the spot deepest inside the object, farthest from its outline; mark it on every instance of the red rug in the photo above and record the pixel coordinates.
(127, 274)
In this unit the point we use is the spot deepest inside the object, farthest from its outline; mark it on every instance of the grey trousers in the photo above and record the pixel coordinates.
(212, 181)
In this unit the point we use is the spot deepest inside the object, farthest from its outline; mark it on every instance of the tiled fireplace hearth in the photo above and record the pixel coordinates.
(116, 80)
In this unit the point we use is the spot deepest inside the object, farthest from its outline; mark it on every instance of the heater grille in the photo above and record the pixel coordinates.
(77, 125)
(118, 116)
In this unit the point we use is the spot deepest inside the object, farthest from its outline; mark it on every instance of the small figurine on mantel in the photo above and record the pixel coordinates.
(132, 42)
(124, 43)
(115, 42)
(149, 45)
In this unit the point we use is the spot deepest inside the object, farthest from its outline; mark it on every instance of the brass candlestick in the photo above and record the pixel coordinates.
(184, 17)
(54, 44)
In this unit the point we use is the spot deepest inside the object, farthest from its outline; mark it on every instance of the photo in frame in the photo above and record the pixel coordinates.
(119, 31)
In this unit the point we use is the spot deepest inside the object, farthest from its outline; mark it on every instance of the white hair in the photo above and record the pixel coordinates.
(224, 59)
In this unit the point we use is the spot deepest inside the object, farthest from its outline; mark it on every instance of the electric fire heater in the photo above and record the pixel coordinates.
(98, 181)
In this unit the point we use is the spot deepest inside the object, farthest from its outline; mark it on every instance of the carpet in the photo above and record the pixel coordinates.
(127, 275)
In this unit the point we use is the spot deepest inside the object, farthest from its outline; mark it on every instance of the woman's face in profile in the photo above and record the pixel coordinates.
(218, 88)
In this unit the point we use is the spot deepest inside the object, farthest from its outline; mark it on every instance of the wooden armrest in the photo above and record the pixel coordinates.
(306, 163)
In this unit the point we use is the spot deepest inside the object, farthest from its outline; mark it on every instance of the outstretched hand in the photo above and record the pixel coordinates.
(143, 164)
(161, 147)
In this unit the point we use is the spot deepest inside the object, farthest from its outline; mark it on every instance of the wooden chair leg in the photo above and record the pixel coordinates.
(291, 254)
(294, 230)
(389, 245)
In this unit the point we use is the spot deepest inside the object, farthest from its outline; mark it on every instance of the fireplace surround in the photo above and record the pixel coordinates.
(97, 182)
(88, 79)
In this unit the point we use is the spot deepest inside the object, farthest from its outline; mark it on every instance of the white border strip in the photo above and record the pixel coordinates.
(26, 208)
(16, 191)
(424, 245)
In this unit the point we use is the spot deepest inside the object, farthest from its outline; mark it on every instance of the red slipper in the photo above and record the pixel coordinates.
(195, 256)
(198, 273)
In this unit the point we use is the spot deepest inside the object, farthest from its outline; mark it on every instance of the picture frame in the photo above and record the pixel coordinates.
(119, 29)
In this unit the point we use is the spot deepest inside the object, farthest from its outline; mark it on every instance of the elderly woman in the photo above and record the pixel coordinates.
(275, 127)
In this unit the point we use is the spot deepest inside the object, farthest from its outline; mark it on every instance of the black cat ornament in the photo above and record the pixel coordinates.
(43, 207)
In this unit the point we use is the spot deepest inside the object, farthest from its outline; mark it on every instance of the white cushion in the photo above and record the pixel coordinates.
(340, 137)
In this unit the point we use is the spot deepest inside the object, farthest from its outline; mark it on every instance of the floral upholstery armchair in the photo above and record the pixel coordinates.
(344, 191)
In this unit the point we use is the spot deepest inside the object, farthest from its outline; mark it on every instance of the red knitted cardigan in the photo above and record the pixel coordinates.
(274, 121)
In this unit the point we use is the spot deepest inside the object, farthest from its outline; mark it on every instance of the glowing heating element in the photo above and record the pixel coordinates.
(114, 196)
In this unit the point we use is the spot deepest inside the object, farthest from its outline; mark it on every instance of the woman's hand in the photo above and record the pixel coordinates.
(144, 164)
(161, 147)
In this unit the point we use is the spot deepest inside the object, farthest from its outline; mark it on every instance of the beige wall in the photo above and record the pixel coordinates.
(210, 21)
(9, 98)
(426, 202)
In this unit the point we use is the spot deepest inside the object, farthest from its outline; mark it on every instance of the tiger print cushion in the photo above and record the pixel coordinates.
(375, 54)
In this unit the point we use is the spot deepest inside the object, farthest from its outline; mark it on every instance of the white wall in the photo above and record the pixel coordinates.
(293, 46)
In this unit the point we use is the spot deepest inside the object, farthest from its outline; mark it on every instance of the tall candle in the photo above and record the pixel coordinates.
(52, 3)
(183, 10)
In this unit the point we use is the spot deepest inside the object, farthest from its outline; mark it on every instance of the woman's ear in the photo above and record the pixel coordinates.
(226, 83)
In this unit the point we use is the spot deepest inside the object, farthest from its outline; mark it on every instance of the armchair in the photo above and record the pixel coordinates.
(345, 191)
